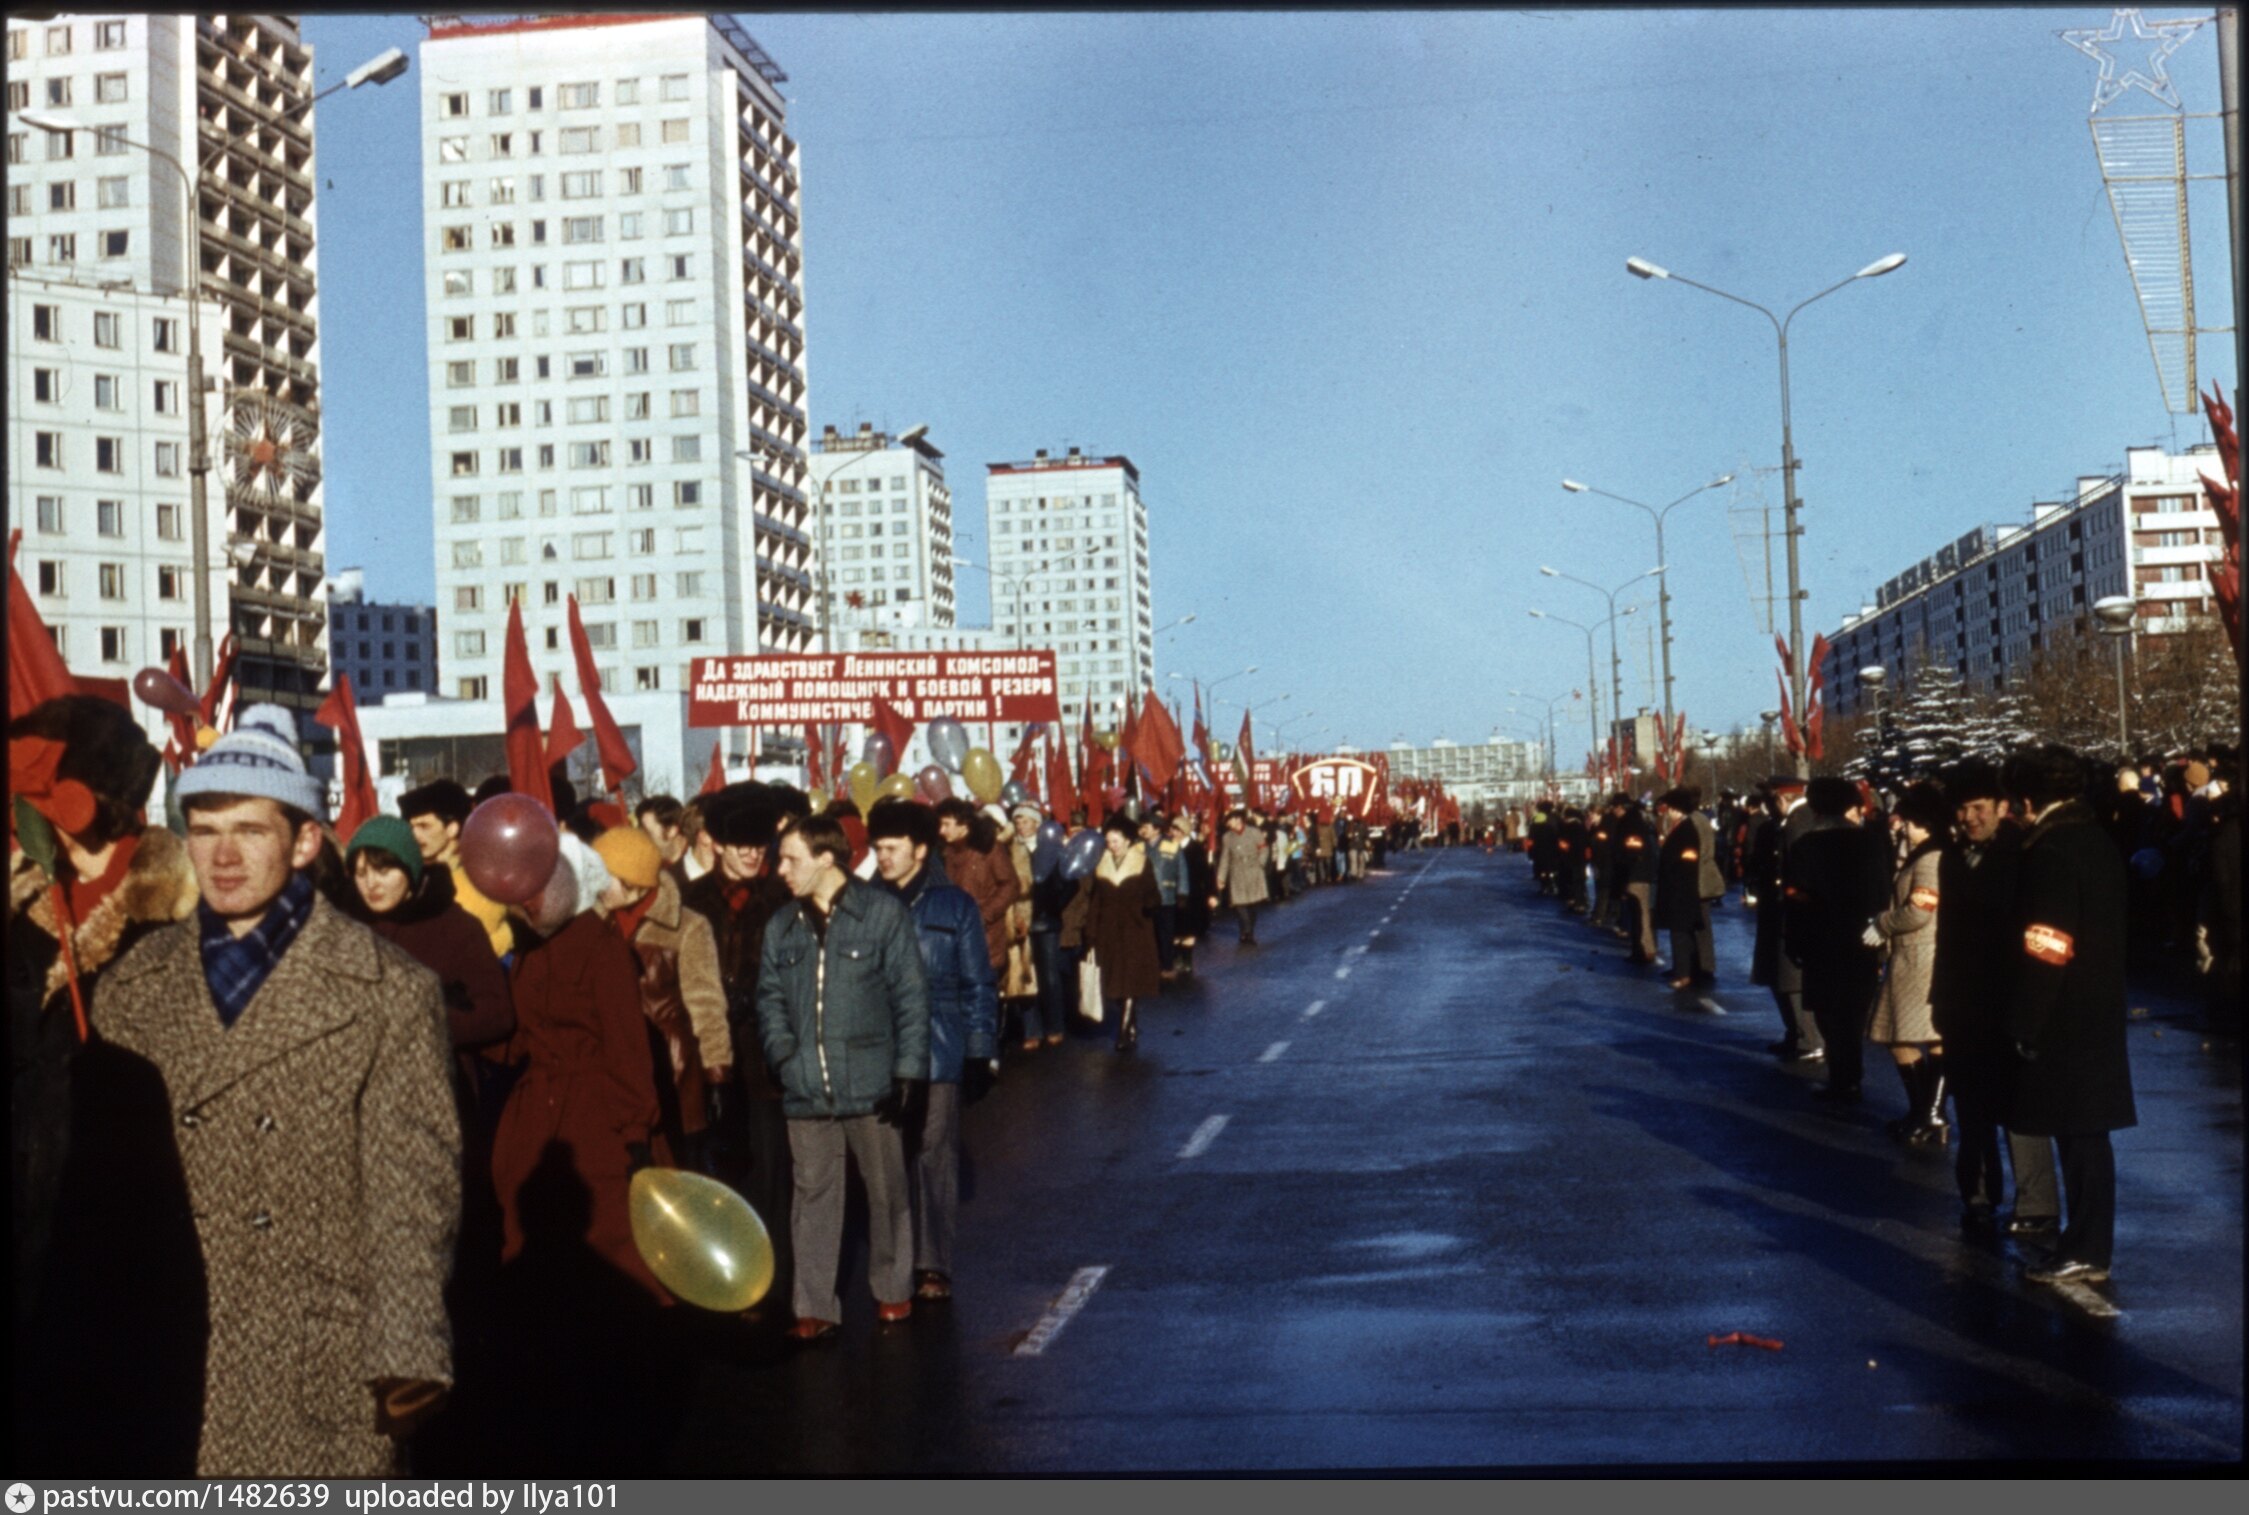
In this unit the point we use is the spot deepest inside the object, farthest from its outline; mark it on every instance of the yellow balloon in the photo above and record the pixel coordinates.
(1106, 740)
(819, 798)
(204, 737)
(862, 781)
(982, 772)
(701, 1239)
(898, 786)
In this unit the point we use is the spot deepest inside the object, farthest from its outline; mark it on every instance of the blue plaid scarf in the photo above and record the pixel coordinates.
(235, 966)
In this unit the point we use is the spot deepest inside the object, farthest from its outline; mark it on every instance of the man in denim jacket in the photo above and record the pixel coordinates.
(843, 1012)
(964, 1014)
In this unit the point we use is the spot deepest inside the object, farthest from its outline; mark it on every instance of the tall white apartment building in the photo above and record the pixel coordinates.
(1985, 604)
(1069, 546)
(97, 234)
(885, 522)
(616, 346)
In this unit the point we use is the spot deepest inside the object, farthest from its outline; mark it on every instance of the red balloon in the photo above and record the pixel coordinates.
(160, 691)
(935, 784)
(509, 846)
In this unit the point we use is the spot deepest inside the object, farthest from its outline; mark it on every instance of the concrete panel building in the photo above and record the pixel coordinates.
(386, 649)
(884, 518)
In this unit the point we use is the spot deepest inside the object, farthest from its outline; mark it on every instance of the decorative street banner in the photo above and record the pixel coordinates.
(1342, 783)
(795, 689)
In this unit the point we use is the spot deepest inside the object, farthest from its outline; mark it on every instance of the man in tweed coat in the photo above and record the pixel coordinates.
(308, 1071)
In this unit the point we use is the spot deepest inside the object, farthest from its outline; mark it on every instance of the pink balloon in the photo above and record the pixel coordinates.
(878, 751)
(509, 846)
(935, 784)
(160, 691)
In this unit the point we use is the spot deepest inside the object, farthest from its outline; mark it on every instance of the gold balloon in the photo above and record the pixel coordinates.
(701, 1239)
(862, 781)
(819, 798)
(1106, 740)
(899, 786)
(204, 737)
(982, 772)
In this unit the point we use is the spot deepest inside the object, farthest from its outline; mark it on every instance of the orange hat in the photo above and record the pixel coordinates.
(630, 857)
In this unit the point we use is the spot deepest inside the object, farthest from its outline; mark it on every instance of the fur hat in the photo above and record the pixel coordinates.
(1831, 796)
(907, 818)
(103, 749)
(1924, 805)
(742, 815)
(1973, 779)
(259, 757)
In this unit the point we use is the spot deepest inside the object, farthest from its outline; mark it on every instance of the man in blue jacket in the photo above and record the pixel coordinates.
(964, 1011)
(843, 1014)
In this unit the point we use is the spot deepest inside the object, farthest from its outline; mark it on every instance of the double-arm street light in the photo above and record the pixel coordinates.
(1663, 599)
(1249, 713)
(1616, 663)
(1550, 701)
(1799, 674)
(380, 69)
(1592, 684)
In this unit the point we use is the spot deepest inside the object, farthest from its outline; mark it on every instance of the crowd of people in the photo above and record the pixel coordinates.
(1976, 926)
(324, 1144)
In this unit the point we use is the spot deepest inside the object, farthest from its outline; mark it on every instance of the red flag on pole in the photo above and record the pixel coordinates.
(519, 697)
(715, 780)
(36, 671)
(1021, 766)
(1247, 757)
(1061, 793)
(340, 714)
(209, 708)
(1160, 741)
(815, 754)
(1788, 717)
(891, 723)
(563, 735)
(617, 762)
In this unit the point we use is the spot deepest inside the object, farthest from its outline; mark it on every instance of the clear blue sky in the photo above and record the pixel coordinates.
(1349, 289)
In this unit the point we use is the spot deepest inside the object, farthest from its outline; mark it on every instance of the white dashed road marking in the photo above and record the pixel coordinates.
(1273, 1052)
(1082, 1284)
(1711, 1005)
(1205, 1134)
(1344, 971)
(2085, 1298)
(1314, 1008)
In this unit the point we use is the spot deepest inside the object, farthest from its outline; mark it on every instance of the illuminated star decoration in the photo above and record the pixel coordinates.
(2167, 38)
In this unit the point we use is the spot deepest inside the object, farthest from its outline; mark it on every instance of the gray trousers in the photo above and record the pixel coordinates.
(1640, 905)
(937, 1180)
(816, 1150)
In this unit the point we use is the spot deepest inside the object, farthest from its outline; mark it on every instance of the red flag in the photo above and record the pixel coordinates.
(1818, 669)
(36, 672)
(815, 754)
(1020, 766)
(1787, 659)
(1248, 759)
(894, 725)
(1160, 744)
(563, 735)
(715, 780)
(1788, 718)
(222, 682)
(1129, 759)
(519, 698)
(1061, 793)
(1814, 745)
(340, 714)
(617, 763)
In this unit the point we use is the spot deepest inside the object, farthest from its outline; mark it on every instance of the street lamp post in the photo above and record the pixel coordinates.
(380, 69)
(1766, 719)
(2115, 613)
(1873, 677)
(1592, 684)
(1663, 600)
(1799, 674)
(1550, 701)
(1616, 663)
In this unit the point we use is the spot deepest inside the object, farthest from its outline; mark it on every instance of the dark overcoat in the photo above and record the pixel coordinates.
(1837, 881)
(1120, 926)
(2068, 1014)
(1678, 901)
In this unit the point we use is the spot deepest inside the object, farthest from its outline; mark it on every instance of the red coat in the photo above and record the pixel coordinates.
(586, 1094)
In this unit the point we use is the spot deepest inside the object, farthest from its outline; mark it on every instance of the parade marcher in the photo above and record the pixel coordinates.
(1786, 819)
(1019, 979)
(1121, 903)
(1640, 851)
(1170, 871)
(1241, 873)
(979, 863)
(1601, 860)
(1544, 824)
(738, 896)
(109, 1309)
(1572, 839)
(843, 1013)
(1056, 977)
(681, 991)
(307, 1062)
(1971, 984)
(436, 811)
(658, 818)
(2067, 1016)
(409, 903)
(1190, 914)
(1836, 880)
(1906, 934)
(701, 853)
(1685, 874)
(963, 1025)
(587, 1089)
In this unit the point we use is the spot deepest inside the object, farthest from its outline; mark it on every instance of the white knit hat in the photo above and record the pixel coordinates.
(259, 757)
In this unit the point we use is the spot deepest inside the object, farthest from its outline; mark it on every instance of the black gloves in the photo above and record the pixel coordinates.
(977, 1078)
(902, 1106)
(637, 1157)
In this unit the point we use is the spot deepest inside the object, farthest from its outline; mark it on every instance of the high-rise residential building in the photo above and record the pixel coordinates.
(616, 346)
(1984, 604)
(884, 517)
(1474, 772)
(385, 649)
(96, 232)
(1069, 547)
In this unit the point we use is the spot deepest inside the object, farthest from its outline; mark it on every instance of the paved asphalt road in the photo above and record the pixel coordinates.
(1432, 1179)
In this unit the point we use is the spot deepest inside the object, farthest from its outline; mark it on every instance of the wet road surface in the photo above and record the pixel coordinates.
(1431, 1178)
